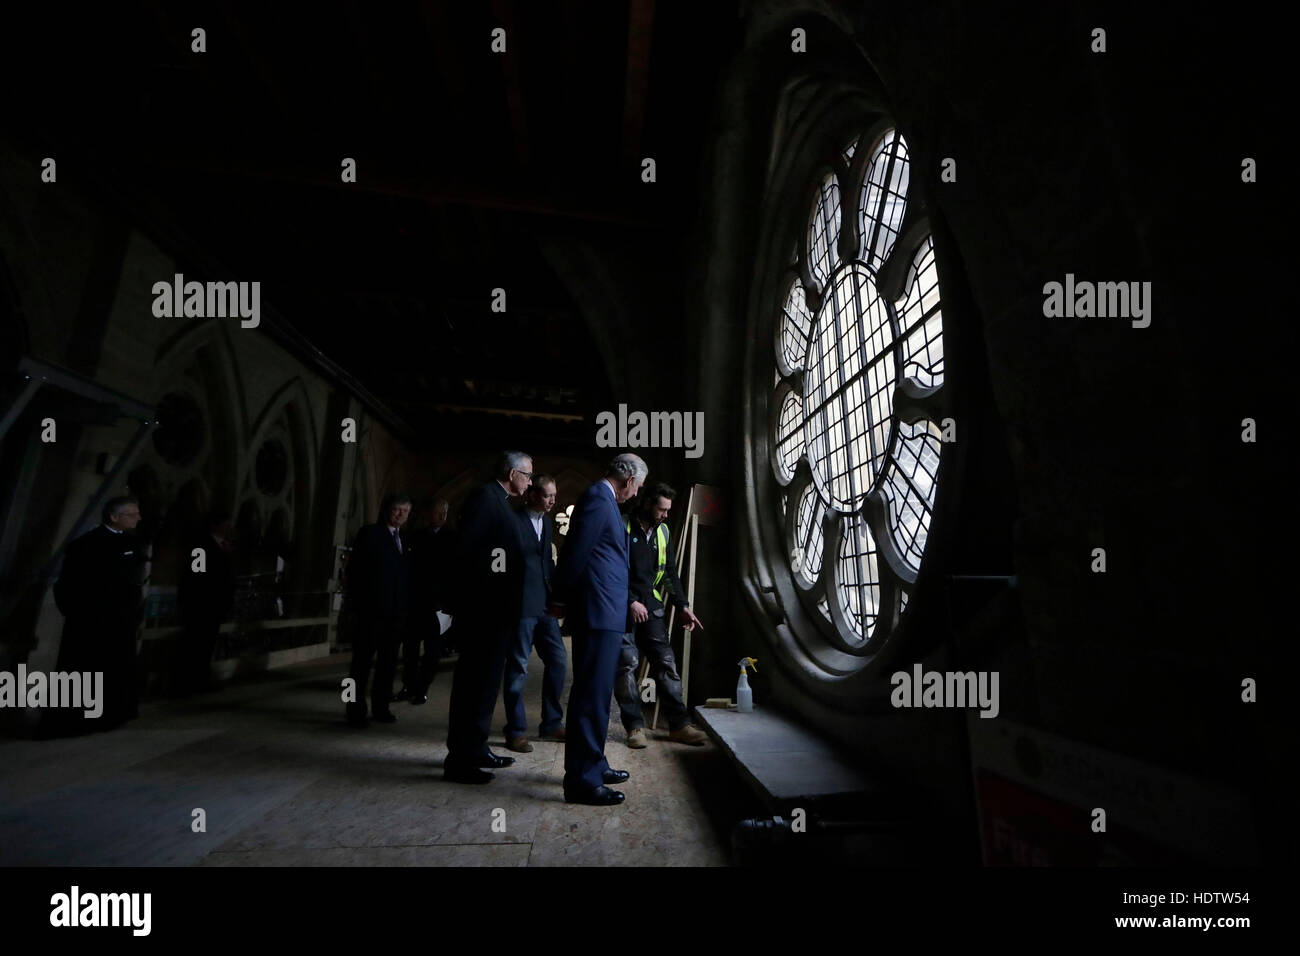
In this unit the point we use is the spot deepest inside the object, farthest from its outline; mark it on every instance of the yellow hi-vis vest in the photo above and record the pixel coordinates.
(661, 550)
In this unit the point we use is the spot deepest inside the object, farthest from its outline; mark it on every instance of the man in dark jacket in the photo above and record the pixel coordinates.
(536, 627)
(486, 605)
(652, 584)
(206, 595)
(377, 591)
(98, 592)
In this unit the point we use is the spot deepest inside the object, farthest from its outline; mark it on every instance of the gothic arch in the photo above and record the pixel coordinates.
(212, 336)
(293, 403)
(288, 507)
(207, 343)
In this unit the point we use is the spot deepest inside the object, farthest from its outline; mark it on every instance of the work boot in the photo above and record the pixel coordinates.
(690, 734)
(519, 745)
(636, 738)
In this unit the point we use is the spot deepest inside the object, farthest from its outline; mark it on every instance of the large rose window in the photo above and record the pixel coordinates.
(856, 428)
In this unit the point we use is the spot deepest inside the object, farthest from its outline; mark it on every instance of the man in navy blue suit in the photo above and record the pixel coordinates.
(591, 587)
(536, 627)
(485, 603)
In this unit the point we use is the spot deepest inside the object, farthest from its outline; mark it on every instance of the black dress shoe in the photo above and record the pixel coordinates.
(615, 776)
(600, 797)
(385, 717)
(403, 694)
(493, 762)
(418, 699)
(459, 774)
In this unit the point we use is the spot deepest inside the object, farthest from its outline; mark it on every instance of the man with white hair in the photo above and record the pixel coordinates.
(591, 588)
(485, 604)
(99, 594)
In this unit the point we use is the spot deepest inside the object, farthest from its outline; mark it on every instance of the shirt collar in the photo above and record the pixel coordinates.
(112, 529)
(610, 485)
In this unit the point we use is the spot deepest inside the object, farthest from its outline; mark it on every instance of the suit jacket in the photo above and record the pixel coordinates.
(539, 565)
(591, 579)
(211, 595)
(378, 582)
(490, 565)
(100, 580)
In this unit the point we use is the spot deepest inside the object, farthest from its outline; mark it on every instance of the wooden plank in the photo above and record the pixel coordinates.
(690, 599)
(672, 611)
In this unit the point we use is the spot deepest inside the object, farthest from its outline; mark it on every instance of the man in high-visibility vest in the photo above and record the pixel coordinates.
(652, 582)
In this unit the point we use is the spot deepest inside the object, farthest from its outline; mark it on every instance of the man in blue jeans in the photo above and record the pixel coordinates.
(536, 627)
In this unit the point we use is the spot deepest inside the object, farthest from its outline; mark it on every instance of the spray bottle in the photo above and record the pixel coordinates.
(744, 695)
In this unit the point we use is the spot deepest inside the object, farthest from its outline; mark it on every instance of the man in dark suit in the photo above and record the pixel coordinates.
(206, 595)
(536, 627)
(377, 592)
(485, 603)
(591, 586)
(98, 592)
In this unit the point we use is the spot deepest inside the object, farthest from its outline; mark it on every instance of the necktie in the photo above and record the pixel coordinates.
(397, 540)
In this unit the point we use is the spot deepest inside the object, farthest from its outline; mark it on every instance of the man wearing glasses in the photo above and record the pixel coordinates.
(486, 603)
(98, 592)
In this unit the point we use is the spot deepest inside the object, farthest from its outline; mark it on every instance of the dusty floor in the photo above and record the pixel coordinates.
(283, 780)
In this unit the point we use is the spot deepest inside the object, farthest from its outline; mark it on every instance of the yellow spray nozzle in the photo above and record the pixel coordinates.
(751, 662)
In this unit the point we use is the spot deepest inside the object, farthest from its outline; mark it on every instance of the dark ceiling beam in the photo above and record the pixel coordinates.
(504, 12)
(640, 30)
(379, 184)
(489, 410)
